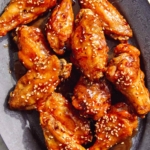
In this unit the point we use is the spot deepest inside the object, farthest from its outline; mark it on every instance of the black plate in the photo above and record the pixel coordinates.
(21, 130)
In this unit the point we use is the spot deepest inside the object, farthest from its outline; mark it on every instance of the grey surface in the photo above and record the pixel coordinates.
(17, 128)
(2, 144)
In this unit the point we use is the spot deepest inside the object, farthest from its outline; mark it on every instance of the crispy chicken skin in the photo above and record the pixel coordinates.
(115, 126)
(36, 84)
(45, 70)
(89, 48)
(60, 26)
(125, 73)
(92, 98)
(112, 21)
(62, 126)
(22, 12)
(32, 45)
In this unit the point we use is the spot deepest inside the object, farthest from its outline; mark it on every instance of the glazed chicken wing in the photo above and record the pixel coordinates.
(89, 47)
(22, 12)
(115, 126)
(32, 45)
(62, 126)
(92, 98)
(37, 83)
(125, 73)
(112, 21)
(45, 70)
(60, 26)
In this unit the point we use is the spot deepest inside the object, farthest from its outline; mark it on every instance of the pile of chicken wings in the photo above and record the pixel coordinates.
(66, 124)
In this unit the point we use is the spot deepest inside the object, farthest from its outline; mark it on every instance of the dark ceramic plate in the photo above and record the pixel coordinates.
(21, 130)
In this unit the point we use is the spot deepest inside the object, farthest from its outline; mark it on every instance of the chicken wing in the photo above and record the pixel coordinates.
(125, 73)
(88, 43)
(60, 26)
(22, 12)
(115, 126)
(32, 45)
(37, 83)
(62, 126)
(92, 98)
(45, 70)
(112, 21)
